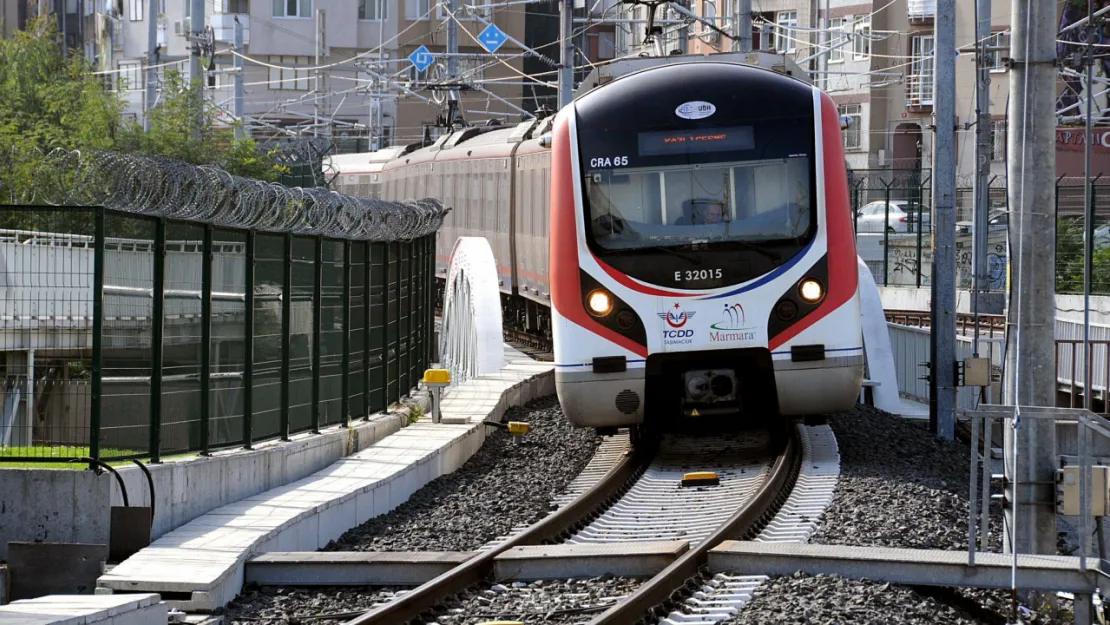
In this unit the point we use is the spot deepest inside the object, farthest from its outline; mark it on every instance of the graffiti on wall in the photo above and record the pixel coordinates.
(905, 262)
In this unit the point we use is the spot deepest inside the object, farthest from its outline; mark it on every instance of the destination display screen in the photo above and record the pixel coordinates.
(699, 141)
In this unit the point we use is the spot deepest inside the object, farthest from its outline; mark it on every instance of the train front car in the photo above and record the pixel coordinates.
(702, 256)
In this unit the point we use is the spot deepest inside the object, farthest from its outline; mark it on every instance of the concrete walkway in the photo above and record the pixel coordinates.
(199, 566)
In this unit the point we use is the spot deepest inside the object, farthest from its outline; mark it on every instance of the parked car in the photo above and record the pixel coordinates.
(997, 221)
(902, 217)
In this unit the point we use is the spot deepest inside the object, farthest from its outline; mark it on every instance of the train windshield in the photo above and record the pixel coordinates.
(735, 201)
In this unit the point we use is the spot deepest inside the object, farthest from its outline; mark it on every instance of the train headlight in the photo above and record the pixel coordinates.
(811, 290)
(599, 302)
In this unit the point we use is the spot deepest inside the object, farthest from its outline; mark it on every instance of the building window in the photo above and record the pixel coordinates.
(417, 9)
(292, 8)
(472, 68)
(919, 84)
(418, 76)
(373, 10)
(998, 40)
(853, 132)
(998, 140)
(131, 76)
(709, 13)
(606, 46)
(136, 10)
(288, 76)
(785, 33)
(836, 38)
(861, 39)
(241, 7)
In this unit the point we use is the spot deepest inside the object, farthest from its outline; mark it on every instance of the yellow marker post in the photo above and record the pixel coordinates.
(518, 429)
(436, 380)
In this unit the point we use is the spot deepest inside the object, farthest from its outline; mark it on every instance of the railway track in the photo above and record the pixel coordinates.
(641, 498)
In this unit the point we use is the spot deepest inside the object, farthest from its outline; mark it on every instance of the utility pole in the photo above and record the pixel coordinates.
(744, 25)
(1092, 32)
(566, 52)
(151, 61)
(196, 28)
(1030, 368)
(826, 37)
(942, 403)
(452, 61)
(318, 85)
(983, 160)
(240, 128)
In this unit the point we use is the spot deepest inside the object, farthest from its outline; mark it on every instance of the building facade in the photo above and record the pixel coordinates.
(335, 68)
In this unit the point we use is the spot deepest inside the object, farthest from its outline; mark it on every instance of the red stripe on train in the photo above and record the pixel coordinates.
(566, 289)
(843, 267)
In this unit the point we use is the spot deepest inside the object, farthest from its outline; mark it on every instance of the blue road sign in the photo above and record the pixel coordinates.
(492, 38)
(422, 59)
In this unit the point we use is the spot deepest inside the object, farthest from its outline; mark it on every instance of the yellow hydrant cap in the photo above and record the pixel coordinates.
(519, 428)
(437, 376)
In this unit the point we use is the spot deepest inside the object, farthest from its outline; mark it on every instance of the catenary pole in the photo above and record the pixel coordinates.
(1030, 369)
(566, 52)
(983, 160)
(744, 25)
(943, 315)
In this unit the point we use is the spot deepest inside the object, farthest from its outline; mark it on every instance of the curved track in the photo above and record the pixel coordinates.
(640, 499)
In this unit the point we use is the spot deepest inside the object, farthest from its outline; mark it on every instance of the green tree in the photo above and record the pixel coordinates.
(185, 127)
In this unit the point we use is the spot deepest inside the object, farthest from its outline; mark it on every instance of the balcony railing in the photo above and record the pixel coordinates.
(919, 90)
(921, 10)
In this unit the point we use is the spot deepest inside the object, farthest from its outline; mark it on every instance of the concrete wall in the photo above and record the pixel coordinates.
(53, 505)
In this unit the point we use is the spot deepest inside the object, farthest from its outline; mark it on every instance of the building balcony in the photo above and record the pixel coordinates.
(921, 11)
(223, 25)
(919, 92)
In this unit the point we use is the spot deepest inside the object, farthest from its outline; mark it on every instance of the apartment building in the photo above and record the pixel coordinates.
(330, 67)
(12, 15)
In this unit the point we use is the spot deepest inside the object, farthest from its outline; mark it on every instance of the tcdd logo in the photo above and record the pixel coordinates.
(676, 317)
(678, 334)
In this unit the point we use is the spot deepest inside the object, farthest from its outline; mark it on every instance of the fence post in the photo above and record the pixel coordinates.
(920, 227)
(317, 312)
(157, 328)
(886, 235)
(1056, 218)
(286, 332)
(386, 343)
(345, 384)
(206, 340)
(248, 344)
(856, 206)
(97, 336)
(366, 334)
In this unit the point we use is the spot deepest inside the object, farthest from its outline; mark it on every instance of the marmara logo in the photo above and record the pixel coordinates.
(677, 316)
(732, 318)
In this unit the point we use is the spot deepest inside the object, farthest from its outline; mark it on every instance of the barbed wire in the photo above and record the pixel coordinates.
(162, 187)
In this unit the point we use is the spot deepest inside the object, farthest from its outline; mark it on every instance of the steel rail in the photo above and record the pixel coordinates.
(478, 568)
(755, 513)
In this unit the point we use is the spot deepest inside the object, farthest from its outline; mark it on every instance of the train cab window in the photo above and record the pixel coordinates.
(747, 201)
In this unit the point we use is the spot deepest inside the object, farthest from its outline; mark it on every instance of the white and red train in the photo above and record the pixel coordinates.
(682, 233)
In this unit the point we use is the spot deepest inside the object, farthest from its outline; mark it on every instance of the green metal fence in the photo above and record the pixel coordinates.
(127, 336)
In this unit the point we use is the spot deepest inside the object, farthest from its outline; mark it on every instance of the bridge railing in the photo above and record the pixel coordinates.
(125, 333)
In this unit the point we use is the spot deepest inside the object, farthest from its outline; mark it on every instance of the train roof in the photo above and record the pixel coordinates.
(363, 162)
(605, 74)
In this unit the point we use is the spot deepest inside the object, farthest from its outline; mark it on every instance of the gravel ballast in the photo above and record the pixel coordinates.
(502, 485)
(899, 486)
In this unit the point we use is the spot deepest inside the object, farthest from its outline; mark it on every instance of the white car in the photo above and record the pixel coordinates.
(900, 219)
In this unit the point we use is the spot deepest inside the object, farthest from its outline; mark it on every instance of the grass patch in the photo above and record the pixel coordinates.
(47, 457)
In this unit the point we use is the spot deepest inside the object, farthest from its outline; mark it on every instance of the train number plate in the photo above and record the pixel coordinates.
(692, 275)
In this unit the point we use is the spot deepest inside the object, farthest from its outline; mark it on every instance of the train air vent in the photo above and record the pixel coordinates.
(628, 401)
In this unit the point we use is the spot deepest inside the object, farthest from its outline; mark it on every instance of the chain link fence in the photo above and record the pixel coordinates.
(151, 308)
